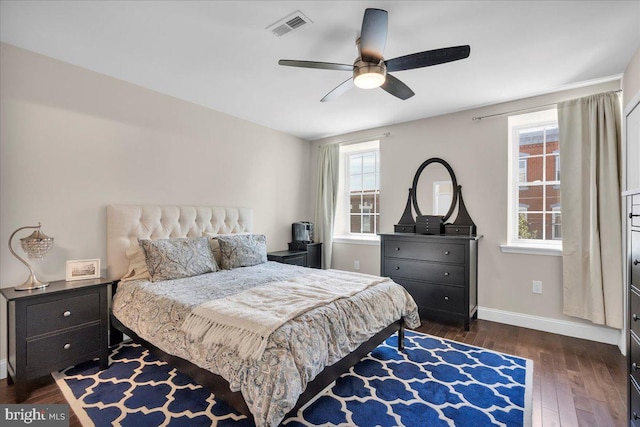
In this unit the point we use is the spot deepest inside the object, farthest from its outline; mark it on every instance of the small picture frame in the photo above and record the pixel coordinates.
(83, 269)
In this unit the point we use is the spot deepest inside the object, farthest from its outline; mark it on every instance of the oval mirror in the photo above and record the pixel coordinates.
(435, 189)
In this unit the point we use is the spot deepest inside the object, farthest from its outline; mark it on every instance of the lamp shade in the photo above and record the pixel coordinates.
(36, 245)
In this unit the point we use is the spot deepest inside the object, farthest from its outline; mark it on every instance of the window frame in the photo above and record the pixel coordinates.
(514, 244)
(342, 227)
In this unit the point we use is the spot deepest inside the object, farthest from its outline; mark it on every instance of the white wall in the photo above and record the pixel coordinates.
(477, 152)
(74, 141)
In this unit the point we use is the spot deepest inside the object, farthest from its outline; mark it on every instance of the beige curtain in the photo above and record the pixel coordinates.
(590, 141)
(326, 197)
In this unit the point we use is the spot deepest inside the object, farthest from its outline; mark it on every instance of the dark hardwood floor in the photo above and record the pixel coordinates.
(575, 382)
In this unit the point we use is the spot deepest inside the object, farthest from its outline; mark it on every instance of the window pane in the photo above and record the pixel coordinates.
(553, 167)
(530, 226)
(377, 201)
(377, 217)
(355, 164)
(369, 163)
(356, 203)
(531, 197)
(369, 181)
(555, 222)
(553, 198)
(355, 183)
(368, 200)
(367, 224)
(355, 224)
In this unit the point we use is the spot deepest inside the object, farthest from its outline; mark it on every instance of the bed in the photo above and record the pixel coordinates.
(298, 360)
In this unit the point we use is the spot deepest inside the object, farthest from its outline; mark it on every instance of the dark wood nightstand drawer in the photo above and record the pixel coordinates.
(425, 271)
(73, 345)
(62, 313)
(441, 252)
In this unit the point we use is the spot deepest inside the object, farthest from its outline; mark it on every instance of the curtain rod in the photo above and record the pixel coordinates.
(363, 139)
(488, 116)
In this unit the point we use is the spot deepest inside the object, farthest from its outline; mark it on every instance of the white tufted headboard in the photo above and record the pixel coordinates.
(127, 223)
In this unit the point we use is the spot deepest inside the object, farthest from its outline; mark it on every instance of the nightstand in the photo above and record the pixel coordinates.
(289, 257)
(314, 252)
(53, 328)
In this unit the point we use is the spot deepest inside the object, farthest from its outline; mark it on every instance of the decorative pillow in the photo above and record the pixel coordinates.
(215, 244)
(242, 250)
(137, 264)
(177, 258)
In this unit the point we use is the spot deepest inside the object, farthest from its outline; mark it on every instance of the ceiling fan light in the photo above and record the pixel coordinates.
(369, 76)
(369, 80)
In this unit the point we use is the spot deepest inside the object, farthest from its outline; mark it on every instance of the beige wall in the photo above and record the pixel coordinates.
(477, 152)
(74, 141)
(631, 80)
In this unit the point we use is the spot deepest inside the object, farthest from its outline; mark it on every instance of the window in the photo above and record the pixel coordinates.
(535, 216)
(358, 206)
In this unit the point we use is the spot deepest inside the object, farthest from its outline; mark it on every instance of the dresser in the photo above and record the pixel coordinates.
(55, 327)
(439, 271)
(633, 333)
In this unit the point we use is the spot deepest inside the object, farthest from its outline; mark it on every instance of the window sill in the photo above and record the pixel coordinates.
(532, 249)
(353, 240)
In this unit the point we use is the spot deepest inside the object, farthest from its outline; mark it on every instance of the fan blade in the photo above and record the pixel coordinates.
(314, 64)
(339, 90)
(396, 88)
(428, 58)
(373, 35)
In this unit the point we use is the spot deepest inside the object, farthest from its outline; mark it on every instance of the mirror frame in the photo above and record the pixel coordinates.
(454, 182)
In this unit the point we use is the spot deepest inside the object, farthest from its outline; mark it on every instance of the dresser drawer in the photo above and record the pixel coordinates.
(634, 404)
(69, 346)
(634, 316)
(441, 252)
(62, 313)
(425, 271)
(634, 359)
(635, 259)
(635, 210)
(429, 296)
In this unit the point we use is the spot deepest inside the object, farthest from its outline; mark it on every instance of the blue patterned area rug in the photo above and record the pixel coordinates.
(435, 382)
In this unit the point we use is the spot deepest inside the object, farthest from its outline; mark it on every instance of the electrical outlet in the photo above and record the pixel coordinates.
(356, 265)
(537, 287)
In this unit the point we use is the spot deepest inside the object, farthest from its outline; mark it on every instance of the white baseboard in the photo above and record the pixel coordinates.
(572, 329)
(3, 369)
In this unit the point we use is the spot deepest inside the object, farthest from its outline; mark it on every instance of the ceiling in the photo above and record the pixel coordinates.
(219, 54)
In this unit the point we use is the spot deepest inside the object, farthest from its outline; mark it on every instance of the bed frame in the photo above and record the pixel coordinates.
(127, 223)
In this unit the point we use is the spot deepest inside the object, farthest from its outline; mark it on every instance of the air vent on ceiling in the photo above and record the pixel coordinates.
(289, 23)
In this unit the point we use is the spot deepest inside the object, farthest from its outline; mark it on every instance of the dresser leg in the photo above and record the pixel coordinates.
(22, 391)
(9, 379)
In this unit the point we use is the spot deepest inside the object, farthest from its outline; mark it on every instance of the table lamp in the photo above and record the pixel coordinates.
(35, 246)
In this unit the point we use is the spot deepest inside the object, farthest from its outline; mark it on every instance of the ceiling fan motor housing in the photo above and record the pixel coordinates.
(369, 75)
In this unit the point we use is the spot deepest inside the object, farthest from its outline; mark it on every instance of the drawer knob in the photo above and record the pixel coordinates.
(457, 230)
(634, 317)
(635, 416)
(67, 346)
(66, 313)
(397, 267)
(446, 252)
(635, 262)
(631, 214)
(634, 366)
(397, 249)
(446, 298)
(446, 273)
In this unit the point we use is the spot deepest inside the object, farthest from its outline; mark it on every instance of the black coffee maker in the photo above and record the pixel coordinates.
(302, 232)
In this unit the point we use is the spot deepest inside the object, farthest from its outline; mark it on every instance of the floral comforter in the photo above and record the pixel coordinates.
(296, 352)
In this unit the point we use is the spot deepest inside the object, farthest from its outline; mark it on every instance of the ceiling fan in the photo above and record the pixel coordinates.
(370, 69)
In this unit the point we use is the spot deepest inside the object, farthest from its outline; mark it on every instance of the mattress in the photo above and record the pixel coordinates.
(295, 353)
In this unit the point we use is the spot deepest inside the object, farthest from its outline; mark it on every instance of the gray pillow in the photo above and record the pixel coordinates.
(242, 250)
(169, 259)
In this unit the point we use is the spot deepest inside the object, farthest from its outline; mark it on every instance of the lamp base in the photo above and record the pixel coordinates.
(31, 283)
